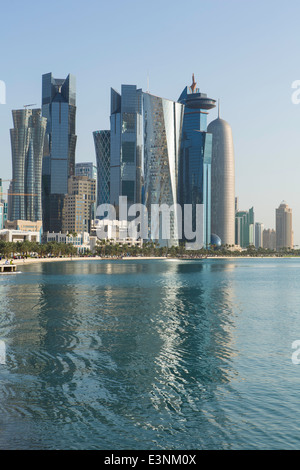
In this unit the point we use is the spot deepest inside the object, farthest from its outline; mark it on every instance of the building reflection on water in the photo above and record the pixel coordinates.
(145, 343)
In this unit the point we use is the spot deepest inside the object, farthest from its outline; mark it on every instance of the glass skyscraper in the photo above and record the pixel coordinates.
(144, 153)
(102, 148)
(195, 156)
(59, 107)
(27, 144)
(162, 133)
(126, 145)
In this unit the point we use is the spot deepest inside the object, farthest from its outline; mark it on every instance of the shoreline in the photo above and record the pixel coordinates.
(21, 262)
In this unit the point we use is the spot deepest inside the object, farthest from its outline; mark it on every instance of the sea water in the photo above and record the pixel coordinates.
(151, 354)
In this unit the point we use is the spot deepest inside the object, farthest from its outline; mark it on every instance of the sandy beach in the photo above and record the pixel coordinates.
(21, 262)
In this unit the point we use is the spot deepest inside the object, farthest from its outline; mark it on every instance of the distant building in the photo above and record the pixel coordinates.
(102, 148)
(1, 215)
(244, 228)
(78, 204)
(27, 144)
(236, 204)
(259, 235)
(223, 202)
(269, 239)
(9, 201)
(59, 107)
(3, 207)
(88, 169)
(284, 231)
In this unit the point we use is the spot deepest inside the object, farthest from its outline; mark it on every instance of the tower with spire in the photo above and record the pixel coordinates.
(194, 169)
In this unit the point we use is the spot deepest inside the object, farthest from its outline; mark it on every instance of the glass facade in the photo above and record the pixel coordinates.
(244, 228)
(144, 153)
(102, 148)
(59, 107)
(27, 144)
(195, 156)
(162, 133)
(126, 145)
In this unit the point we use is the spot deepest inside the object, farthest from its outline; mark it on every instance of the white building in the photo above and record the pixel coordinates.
(115, 232)
(15, 236)
(82, 241)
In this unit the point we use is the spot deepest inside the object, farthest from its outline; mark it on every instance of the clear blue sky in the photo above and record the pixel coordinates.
(244, 52)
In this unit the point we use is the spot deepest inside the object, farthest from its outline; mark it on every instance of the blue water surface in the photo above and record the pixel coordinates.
(151, 354)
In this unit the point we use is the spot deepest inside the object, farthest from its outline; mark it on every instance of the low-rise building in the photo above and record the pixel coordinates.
(82, 241)
(116, 232)
(19, 236)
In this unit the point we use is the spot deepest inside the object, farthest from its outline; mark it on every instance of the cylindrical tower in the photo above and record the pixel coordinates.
(222, 182)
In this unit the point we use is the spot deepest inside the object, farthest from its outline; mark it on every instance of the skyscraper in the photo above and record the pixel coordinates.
(162, 134)
(27, 144)
(284, 231)
(59, 107)
(269, 239)
(126, 144)
(144, 152)
(244, 228)
(222, 181)
(195, 155)
(259, 229)
(102, 148)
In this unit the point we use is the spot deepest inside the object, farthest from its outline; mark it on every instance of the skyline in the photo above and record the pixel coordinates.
(252, 77)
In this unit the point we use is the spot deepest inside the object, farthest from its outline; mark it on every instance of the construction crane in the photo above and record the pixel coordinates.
(27, 105)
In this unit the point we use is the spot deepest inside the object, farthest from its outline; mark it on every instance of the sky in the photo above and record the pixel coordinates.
(245, 53)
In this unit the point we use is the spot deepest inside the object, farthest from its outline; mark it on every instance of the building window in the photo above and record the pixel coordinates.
(128, 123)
(128, 190)
(128, 152)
